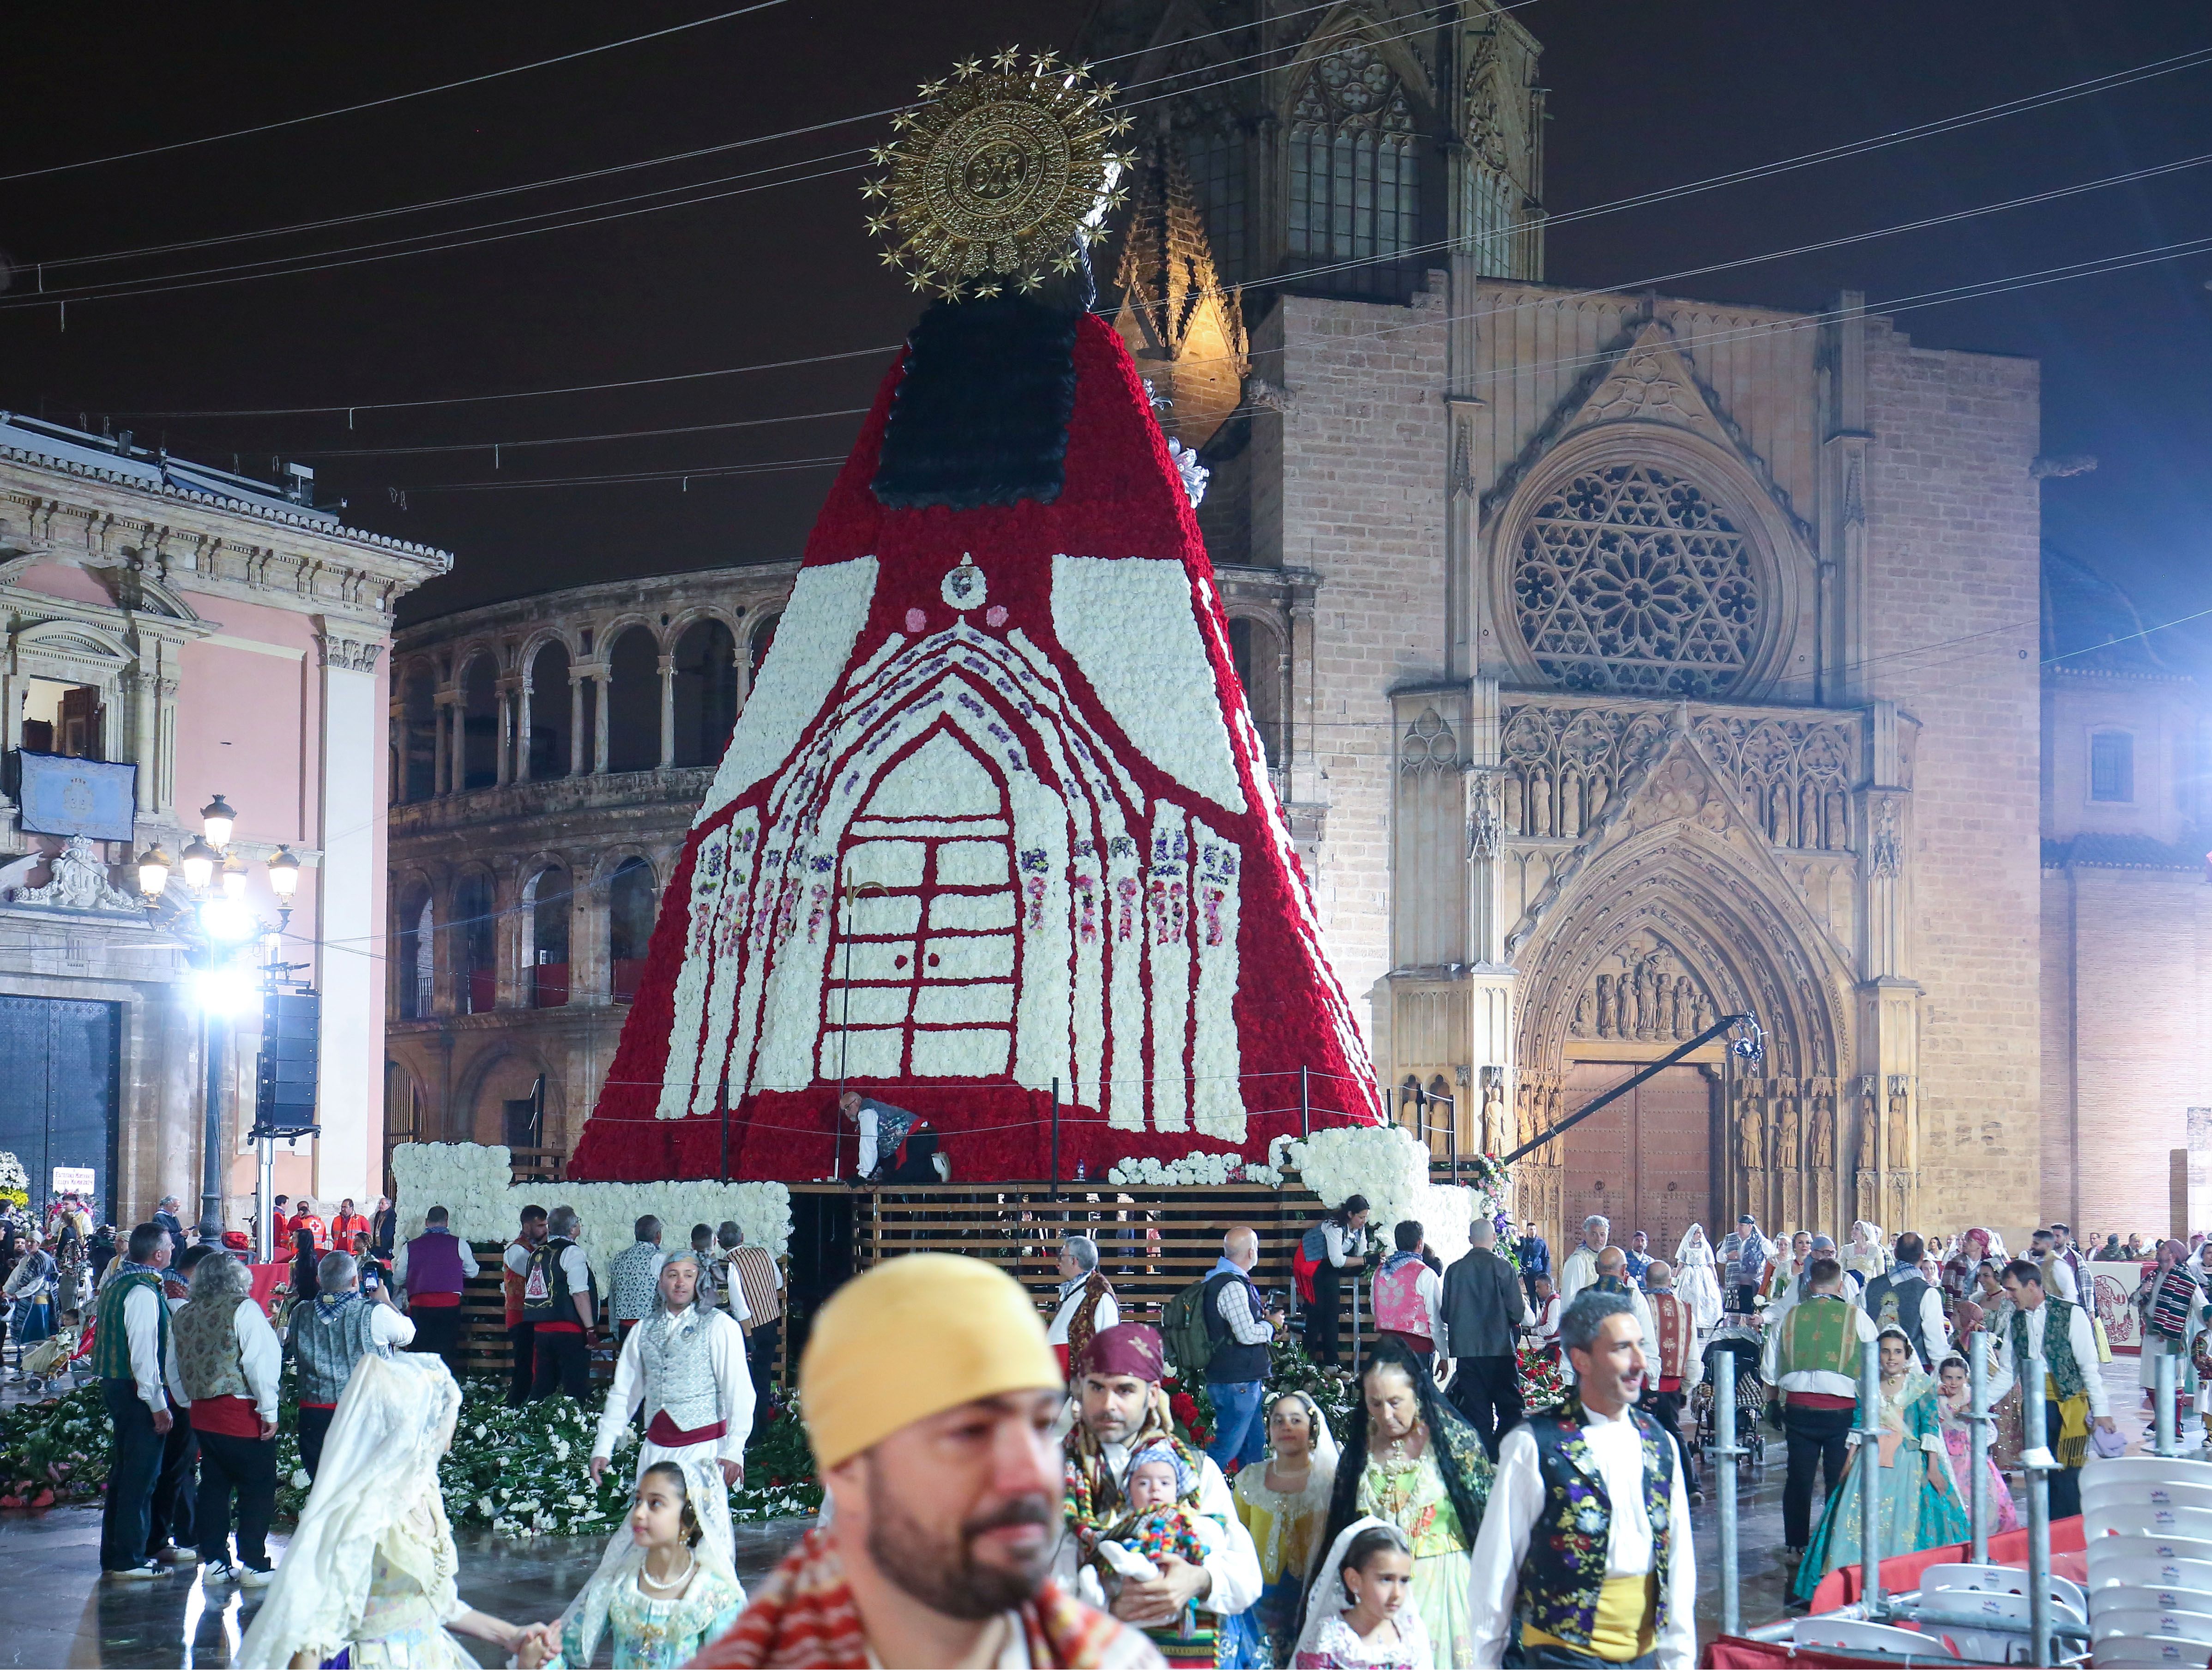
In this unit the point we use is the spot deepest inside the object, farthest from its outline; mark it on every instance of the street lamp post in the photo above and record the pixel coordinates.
(216, 881)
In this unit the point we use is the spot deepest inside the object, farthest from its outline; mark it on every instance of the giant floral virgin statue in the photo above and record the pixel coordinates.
(995, 819)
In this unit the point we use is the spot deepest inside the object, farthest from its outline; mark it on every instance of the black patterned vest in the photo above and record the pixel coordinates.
(328, 1338)
(1564, 1568)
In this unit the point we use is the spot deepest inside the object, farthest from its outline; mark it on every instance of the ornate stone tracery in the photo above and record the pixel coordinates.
(1630, 577)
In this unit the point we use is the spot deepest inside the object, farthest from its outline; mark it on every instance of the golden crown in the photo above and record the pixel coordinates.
(996, 174)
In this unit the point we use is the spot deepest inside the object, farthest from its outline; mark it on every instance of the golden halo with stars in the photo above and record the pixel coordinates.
(996, 174)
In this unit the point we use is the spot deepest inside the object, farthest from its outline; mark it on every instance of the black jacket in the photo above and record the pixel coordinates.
(1483, 1305)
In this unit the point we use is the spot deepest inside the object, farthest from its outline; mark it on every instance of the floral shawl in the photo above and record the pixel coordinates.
(803, 1615)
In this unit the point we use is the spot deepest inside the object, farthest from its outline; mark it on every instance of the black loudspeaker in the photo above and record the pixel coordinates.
(284, 1101)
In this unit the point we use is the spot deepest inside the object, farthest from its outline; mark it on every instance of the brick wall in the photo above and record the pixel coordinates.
(1953, 556)
(2137, 1029)
(1362, 500)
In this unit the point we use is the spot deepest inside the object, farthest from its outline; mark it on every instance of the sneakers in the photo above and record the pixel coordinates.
(172, 1555)
(144, 1570)
(218, 1572)
(251, 1576)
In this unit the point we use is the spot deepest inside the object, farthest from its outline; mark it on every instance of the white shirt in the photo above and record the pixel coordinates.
(2084, 1341)
(1502, 1544)
(399, 1263)
(141, 1329)
(1547, 1326)
(515, 1259)
(1577, 1272)
(726, 1352)
(260, 1354)
(1106, 1316)
(1816, 1381)
(389, 1328)
(1332, 1239)
(2062, 1280)
(1233, 1566)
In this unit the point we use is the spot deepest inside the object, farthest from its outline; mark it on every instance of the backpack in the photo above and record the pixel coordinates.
(1306, 1259)
(1182, 1332)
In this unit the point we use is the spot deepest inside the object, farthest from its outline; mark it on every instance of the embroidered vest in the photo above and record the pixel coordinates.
(207, 1350)
(680, 1372)
(2059, 1360)
(111, 1343)
(1818, 1334)
(328, 1338)
(630, 1281)
(1894, 1300)
(545, 1296)
(1564, 1571)
(1677, 1328)
(1398, 1303)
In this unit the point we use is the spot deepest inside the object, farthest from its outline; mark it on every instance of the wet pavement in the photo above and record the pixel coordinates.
(56, 1611)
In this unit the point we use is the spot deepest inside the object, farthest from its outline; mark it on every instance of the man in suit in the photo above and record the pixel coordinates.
(1483, 1310)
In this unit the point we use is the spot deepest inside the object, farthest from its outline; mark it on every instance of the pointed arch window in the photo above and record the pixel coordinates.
(1354, 167)
(1214, 158)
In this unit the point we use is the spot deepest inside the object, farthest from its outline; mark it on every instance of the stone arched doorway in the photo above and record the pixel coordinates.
(1679, 918)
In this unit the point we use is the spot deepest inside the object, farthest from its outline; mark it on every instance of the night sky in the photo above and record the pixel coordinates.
(1644, 96)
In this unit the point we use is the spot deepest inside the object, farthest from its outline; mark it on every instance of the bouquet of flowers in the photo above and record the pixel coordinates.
(15, 1183)
(1542, 1385)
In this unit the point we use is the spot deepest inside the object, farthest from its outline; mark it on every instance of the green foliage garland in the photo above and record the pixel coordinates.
(522, 1473)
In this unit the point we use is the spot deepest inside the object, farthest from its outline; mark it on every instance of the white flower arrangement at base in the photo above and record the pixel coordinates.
(471, 1182)
(1196, 1167)
(1389, 1166)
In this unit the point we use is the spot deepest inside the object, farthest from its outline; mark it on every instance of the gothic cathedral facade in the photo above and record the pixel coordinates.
(1624, 660)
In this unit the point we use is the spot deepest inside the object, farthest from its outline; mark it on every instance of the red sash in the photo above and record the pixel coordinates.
(661, 1431)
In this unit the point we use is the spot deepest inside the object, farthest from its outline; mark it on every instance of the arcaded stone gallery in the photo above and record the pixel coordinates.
(1621, 662)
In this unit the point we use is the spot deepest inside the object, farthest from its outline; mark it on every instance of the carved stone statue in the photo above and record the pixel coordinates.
(1497, 1135)
(1582, 1023)
(1824, 1137)
(76, 881)
(1750, 1136)
(1786, 1135)
(1606, 1012)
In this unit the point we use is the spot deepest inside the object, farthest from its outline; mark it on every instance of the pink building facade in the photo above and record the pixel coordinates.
(219, 636)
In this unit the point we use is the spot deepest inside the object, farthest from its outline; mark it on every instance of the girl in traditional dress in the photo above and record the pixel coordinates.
(1910, 1465)
(1952, 1401)
(1418, 1464)
(1284, 1505)
(665, 1588)
(1694, 1278)
(367, 1580)
(1363, 1618)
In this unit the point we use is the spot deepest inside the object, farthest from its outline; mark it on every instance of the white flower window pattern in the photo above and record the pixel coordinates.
(1630, 580)
(1355, 168)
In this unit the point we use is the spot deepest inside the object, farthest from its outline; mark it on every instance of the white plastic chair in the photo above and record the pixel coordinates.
(2108, 1491)
(2001, 1581)
(2151, 1563)
(1994, 1647)
(2166, 1522)
(2124, 1612)
(2147, 1650)
(1826, 1630)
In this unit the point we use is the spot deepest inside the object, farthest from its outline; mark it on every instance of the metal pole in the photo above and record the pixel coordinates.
(1979, 1421)
(1451, 1140)
(1305, 1104)
(264, 1203)
(1355, 1317)
(1628, 1084)
(2038, 1461)
(1869, 1435)
(1725, 1452)
(211, 1113)
(722, 1111)
(1056, 1138)
(2162, 1378)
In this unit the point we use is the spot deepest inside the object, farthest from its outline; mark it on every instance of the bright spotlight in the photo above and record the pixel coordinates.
(227, 992)
(228, 921)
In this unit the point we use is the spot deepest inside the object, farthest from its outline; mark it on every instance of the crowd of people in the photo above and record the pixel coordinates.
(1006, 1486)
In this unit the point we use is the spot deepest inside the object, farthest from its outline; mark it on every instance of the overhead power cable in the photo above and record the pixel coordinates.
(1899, 136)
(389, 98)
(692, 154)
(1972, 290)
(2054, 194)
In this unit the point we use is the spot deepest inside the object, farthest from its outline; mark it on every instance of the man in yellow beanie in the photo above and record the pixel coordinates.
(929, 1395)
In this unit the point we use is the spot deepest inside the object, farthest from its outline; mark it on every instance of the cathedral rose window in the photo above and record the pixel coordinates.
(1632, 579)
